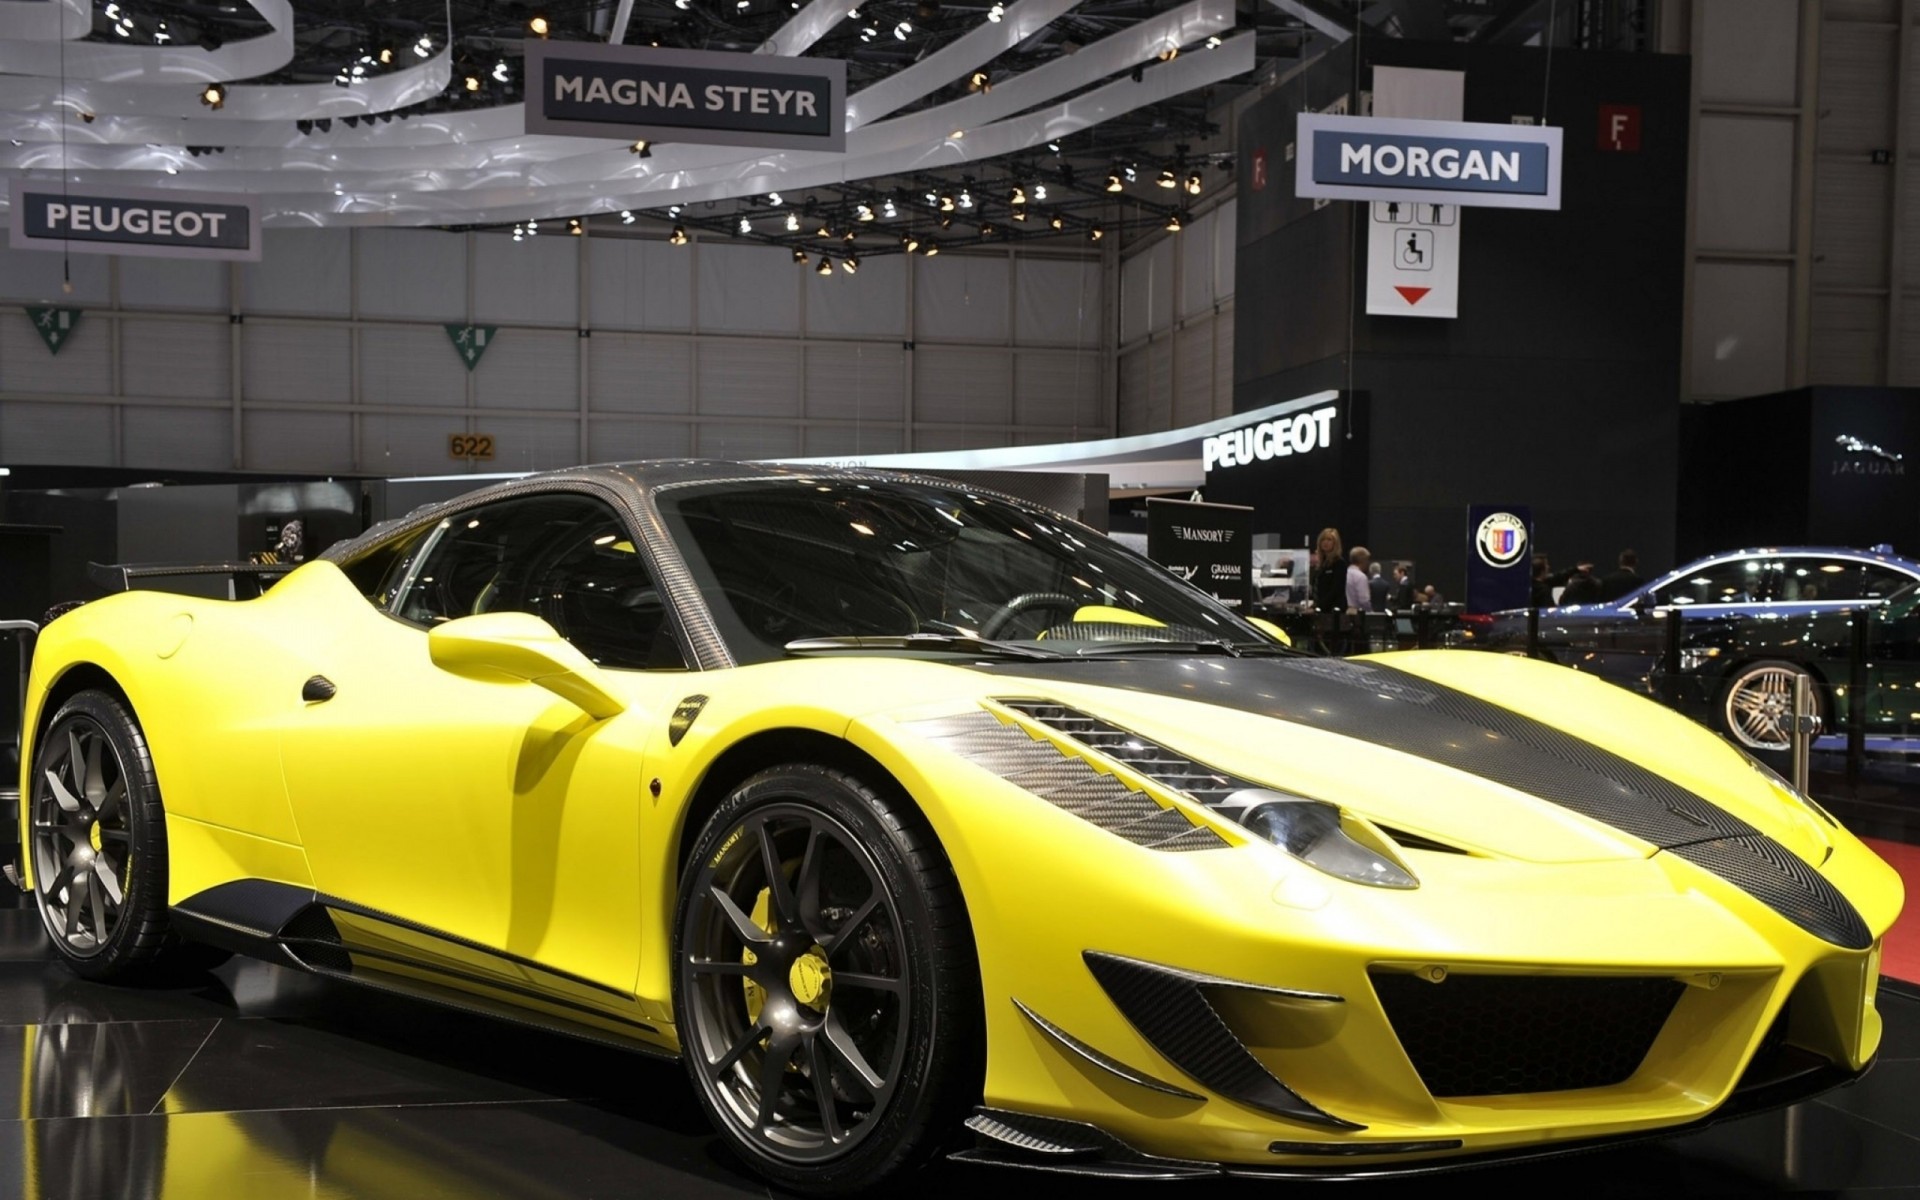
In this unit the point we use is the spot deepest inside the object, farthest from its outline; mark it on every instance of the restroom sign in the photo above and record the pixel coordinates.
(1413, 259)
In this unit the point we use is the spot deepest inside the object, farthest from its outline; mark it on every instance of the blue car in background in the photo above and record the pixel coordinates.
(1739, 683)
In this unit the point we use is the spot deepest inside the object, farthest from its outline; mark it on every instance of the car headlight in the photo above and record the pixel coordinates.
(1695, 657)
(1319, 835)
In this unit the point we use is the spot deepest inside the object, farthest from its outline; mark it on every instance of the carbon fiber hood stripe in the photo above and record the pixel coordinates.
(1374, 703)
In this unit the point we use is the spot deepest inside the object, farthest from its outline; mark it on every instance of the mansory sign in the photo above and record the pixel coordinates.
(1445, 162)
(645, 92)
(146, 221)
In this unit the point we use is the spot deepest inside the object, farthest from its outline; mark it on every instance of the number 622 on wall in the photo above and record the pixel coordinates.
(470, 446)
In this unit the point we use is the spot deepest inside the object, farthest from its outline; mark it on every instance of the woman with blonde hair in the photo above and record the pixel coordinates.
(1330, 573)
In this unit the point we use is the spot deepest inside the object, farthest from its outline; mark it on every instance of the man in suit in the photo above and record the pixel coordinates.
(1622, 579)
(1582, 587)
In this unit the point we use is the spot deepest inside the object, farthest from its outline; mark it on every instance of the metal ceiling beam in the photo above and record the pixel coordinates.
(163, 64)
(956, 58)
(806, 27)
(1516, 22)
(1334, 23)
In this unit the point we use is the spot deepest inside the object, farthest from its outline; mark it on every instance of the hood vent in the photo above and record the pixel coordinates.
(1165, 767)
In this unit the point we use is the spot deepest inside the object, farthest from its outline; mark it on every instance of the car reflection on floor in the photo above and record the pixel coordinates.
(253, 1081)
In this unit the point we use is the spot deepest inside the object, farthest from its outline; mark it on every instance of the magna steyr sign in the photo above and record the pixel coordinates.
(1440, 162)
(1277, 438)
(144, 221)
(653, 94)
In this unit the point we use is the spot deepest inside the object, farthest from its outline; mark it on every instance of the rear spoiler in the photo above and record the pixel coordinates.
(245, 579)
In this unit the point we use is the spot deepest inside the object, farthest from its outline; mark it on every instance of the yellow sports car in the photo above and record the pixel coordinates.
(898, 809)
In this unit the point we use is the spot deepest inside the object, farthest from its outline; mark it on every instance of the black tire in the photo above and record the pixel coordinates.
(1755, 706)
(115, 811)
(866, 892)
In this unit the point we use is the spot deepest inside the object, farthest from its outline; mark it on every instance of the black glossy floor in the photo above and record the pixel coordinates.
(252, 1081)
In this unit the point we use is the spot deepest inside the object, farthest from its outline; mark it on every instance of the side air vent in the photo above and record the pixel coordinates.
(1066, 781)
(1165, 767)
(1413, 841)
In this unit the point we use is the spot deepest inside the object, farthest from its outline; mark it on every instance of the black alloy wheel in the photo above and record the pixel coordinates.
(99, 840)
(825, 985)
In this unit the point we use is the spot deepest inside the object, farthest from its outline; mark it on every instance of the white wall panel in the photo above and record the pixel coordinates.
(410, 365)
(1136, 297)
(1748, 50)
(530, 368)
(300, 441)
(1225, 230)
(1850, 201)
(33, 277)
(1744, 184)
(83, 366)
(1193, 374)
(533, 443)
(859, 382)
(1058, 303)
(848, 441)
(303, 272)
(961, 385)
(173, 283)
(306, 363)
(182, 439)
(632, 441)
(960, 439)
(56, 434)
(176, 358)
(1195, 244)
(1132, 417)
(961, 297)
(416, 274)
(870, 304)
(631, 373)
(531, 282)
(639, 285)
(748, 289)
(715, 440)
(751, 379)
(1058, 387)
(400, 444)
(1739, 313)
(1849, 339)
(1856, 88)
(1160, 384)
(1163, 282)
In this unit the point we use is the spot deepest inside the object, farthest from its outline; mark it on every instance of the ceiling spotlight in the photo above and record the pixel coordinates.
(850, 265)
(539, 26)
(1058, 222)
(869, 33)
(933, 199)
(1054, 146)
(626, 216)
(1019, 195)
(887, 209)
(500, 71)
(902, 30)
(946, 221)
(1173, 223)
(957, 134)
(1113, 182)
(742, 5)
(423, 48)
(574, 227)
(933, 248)
(909, 243)
(172, 170)
(799, 256)
(386, 56)
(847, 237)
(1039, 191)
(979, 81)
(966, 198)
(825, 230)
(673, 210)
(1169, 52)
(1019, 214)
(683, 5)
(214, 96)
(1096, 233)
(1131, 173)
(946, 203)
(113, 12)
(996, 13)
(793, 222)
(643, 148)
(825, 267)
(1167, 180)
(473, 83)
(519, 235)
(1213, 43)
(533, 227)
(863, 212)
(678, 237)
(746, 226)
(853, 14)
(986, 229)
(773, 198)
(1193, 183)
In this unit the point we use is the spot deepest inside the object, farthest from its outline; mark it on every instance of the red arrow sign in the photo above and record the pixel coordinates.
(1411, 294)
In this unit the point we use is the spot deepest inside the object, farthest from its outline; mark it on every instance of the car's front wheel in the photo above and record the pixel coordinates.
(1756, 705)
(825, 985)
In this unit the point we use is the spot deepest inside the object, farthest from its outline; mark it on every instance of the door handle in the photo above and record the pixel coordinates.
(318, 690)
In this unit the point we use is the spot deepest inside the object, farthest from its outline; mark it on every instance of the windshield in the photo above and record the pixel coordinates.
(782, 560)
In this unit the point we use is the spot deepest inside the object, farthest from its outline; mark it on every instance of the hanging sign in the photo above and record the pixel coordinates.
(54, 325)
(653, 93)
(1441, 162)
(471, 341)
(141, 221)
(1208, 545)
(1413, 259)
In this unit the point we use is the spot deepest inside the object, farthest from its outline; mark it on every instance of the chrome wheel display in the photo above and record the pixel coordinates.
(795, 984)
(1759, 707)
(82, 836)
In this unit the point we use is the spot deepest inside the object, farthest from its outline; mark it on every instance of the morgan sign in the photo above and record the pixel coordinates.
(144, 221)
(1441, 162)
(645, 92)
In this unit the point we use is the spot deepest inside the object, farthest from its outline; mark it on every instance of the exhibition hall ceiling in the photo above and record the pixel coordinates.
(968, 120)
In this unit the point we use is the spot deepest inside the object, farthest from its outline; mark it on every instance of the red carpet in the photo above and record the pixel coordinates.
(1901, 953)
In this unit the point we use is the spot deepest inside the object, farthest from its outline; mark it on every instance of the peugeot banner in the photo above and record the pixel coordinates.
(655, 94)
(1499, 554)
(1208, 545)
(143, 221)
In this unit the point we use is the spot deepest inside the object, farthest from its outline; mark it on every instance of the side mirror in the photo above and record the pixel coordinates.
(504, 646)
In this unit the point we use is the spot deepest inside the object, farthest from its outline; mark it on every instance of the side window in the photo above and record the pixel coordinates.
(1819, 578)
(565, 559)
(1880, 582)
(1741, 581)
(378, 572)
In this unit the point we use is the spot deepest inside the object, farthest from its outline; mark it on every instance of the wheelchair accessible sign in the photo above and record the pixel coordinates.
(1428, 162)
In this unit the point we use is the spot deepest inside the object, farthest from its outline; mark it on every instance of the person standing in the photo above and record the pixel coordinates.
(1329, 572)
(1379, 590)
(1582, 587)
(1623, 579)
(1359, 588)
(1402, 597)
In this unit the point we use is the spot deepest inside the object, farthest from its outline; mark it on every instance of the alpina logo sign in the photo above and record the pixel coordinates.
(654, 94)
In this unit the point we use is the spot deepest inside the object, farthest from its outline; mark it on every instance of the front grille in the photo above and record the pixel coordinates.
(1499, 1035)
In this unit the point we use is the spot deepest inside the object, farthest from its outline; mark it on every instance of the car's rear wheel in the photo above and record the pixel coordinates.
(99, 840)
(825, 985)
(1756, 704)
